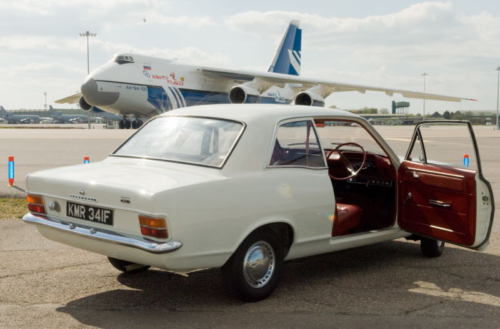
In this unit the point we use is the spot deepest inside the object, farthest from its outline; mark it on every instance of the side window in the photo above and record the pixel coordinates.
(335, 132)
(444, 144)
(297, 144)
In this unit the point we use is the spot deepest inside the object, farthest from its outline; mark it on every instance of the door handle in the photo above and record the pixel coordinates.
(439, 203)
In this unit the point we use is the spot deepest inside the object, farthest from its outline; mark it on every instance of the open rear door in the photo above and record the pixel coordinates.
(442, 193)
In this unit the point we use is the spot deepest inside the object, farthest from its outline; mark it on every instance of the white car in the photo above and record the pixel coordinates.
(246, 187)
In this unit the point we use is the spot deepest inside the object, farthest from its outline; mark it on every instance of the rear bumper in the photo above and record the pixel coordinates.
(109, 237)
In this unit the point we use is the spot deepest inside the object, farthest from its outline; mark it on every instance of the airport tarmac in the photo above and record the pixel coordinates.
(45, 284)
(37, 149)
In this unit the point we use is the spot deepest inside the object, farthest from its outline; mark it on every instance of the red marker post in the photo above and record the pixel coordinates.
(86, 159)
(11, 172)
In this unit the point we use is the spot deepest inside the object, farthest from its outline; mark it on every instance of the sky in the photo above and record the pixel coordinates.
(387, 43)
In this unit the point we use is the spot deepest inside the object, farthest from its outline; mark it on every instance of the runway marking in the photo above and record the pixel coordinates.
(431, 289)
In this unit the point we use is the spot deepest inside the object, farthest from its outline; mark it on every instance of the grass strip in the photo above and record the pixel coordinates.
(12, 208)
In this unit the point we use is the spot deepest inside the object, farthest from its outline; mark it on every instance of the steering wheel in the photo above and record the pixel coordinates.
(337, 155)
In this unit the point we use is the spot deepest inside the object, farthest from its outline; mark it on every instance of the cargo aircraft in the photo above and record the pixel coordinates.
(137, 86)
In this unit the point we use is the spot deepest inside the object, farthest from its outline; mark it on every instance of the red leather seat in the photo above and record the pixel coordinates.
(348, 218)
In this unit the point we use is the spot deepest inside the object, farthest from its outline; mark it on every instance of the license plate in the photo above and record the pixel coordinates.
(89, 213)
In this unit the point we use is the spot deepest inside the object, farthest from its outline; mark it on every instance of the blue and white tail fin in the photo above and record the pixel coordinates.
(287, 59)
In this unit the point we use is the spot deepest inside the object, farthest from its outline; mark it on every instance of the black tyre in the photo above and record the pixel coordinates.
(254, 270)
(135, 124)
(126, 124)
(431, 248)
(127, 267)
(121, 124)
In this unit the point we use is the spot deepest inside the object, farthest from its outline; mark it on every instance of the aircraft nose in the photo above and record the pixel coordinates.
(95, 96)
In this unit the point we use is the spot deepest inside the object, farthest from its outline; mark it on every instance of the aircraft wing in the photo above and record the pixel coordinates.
(267, 79)
(73, 99)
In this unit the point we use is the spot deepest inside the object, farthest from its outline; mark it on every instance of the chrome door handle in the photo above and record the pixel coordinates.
(439, 203)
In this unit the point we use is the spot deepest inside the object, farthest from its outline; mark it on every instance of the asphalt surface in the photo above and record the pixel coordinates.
(390, 285)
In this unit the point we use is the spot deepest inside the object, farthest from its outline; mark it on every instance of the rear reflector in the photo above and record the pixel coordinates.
(36, 205)
(153, 227)
(36, 208)
(155, 233)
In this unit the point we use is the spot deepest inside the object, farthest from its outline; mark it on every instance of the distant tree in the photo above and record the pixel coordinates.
(365, 110)
(436, 115)
(447, 115)
(383, 111)
(457, 115)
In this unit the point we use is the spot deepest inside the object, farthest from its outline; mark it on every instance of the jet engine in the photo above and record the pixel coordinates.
(84, 105)
(243, 94)
(309, 98)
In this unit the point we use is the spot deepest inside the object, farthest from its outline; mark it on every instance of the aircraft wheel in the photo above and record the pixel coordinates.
(126, 124)
(121, 124)
(136, 124)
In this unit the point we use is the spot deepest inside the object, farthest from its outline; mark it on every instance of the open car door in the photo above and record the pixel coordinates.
(442, 193)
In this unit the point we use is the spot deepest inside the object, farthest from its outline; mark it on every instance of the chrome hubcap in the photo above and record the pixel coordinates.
(259, 264)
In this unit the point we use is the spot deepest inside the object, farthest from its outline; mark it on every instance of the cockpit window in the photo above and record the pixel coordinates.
(124, 59)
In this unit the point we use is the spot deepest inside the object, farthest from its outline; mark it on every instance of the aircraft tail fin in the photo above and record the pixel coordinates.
(288, 56)
(2, 110)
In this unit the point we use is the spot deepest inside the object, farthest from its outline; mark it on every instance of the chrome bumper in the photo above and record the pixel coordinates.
(92, 233)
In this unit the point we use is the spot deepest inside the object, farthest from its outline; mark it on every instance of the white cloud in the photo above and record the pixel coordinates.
(40, 45)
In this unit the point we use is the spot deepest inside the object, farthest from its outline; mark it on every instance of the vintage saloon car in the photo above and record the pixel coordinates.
(246, 187)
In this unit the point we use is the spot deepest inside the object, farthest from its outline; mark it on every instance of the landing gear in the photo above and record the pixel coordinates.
(137, 123)
(124, 124)
(127, 124)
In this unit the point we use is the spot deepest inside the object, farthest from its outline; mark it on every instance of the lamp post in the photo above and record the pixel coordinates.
(88, 35)
(498, 92)
(423, 104)
(45, 98)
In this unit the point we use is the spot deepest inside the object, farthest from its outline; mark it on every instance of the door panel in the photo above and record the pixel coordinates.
(438, 202)
(439, 196)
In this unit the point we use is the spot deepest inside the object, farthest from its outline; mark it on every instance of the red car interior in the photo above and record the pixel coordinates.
(438, 201)
(368, 200)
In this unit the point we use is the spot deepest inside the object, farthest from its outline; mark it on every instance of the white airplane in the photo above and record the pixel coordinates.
(136, 86)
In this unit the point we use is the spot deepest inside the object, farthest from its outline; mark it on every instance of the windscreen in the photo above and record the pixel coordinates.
(193, 140)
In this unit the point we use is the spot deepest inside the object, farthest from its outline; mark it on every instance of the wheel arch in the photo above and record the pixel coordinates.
(283, 229)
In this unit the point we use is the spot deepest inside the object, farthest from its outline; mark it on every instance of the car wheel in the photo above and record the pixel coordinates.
(127, 267)
(431, 247)
(254, 270)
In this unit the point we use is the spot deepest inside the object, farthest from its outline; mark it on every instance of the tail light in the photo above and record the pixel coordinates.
(153, 227)
(36, 205)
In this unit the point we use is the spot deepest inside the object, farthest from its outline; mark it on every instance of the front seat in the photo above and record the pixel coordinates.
(347, 219)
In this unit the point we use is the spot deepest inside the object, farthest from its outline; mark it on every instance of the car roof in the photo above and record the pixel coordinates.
(258, 112)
